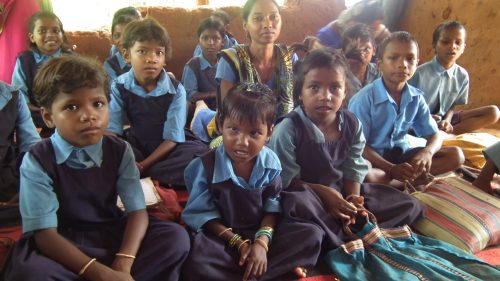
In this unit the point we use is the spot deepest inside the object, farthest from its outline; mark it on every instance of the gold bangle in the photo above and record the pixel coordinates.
(262, 243)
(224, 231)
(84, 268)
(241, 244)
(124, 255)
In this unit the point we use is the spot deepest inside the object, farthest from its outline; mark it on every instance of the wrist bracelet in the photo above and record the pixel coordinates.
(124, 255)
(224, 231)
(242, 243)
(262, 243)
(84, 268)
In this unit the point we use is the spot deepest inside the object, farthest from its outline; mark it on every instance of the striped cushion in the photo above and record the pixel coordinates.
(460, 214)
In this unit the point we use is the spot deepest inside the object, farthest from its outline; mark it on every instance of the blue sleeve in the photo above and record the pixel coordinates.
(360, 106)
(116, 111)
(37, 200)
(225, 72)
(463, 95)
(128, 184)
(200, 207)
(173, 129)
(424, 125)
(272, 203)
(19, 79)
(354, 167)
(492, 153)
(25, 129)
(282, 143)
(111, 72)
(189, 81)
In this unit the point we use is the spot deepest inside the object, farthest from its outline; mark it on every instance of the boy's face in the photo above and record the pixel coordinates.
(242, 140)
(211, 42)
(398, 62)
(360, 50)
(47, 35)
(81, 117)
(450, 46)
(147, 59)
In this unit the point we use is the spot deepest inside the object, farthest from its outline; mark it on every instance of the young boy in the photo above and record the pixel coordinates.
(359, 49)
(72, 226)
(154, 104)
(229, 40)
(17, 134)
(446, 84)
(388, 108)
(489, 170)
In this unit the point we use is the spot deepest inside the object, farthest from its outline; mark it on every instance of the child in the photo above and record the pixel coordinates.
(229, 40)
(320, 149)
(234, 198)
(115, 64)
(46, 40)
(359, 48)
(388, 108)
(16, 120)
(446, 84)
(154, 104)
(72, 227)
(489, 170)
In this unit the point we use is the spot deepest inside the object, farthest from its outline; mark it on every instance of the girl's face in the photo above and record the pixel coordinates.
(47, 35)
(116, 37)
(264, 22)
(211, 42)
(323, 92)
(147, 59)
(243, 141)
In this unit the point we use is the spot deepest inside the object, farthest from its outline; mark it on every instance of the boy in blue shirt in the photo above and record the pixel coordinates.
(446, 84)
(72, 227)
(388, 108)
(16, 120)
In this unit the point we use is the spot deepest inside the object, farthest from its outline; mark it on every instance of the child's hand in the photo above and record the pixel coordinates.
(445, 126)
(114, 275)
(256, 262)
(140, 167)
(338, 207)
(421, 162)
(103, 273)
(122, 264)
(402, 172)
(244, 252)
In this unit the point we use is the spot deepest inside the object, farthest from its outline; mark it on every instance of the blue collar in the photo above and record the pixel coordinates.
(63, 149)
(381, 95)
(41, 57)
(163, 86)
(204, 64)
(436, 66)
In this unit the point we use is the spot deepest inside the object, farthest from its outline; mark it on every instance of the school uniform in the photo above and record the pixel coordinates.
(16, 121)
(199, 76)
(305, 155)
(329, 37)
(442, 88)
(493, 153)
(372, 73)
(58, 181)
(154, 117)
(115, 65)
(27, 65)
(215, 192)
(229, 42)
(385, 124)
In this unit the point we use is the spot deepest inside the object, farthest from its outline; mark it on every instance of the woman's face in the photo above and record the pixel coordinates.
(264, 22)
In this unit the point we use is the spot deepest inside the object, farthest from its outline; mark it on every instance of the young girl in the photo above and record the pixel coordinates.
(154, 104)
(46, 40)
(320, 149)
(72, 227)
(234, 200)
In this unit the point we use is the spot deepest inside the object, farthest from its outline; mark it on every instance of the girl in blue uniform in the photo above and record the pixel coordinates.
(72, 227)
(320, 150)
(234, 203)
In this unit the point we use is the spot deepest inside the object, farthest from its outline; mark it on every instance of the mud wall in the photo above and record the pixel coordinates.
(481, 57)
(300, 18)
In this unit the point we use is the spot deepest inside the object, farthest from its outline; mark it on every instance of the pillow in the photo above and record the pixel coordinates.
(460, 214)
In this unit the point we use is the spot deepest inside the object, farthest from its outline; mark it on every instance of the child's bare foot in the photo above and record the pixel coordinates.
(300, 272)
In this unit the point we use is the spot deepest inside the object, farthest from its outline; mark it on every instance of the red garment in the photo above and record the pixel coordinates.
(13, 39)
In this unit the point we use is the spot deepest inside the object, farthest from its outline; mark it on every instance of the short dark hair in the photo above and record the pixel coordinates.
(210, 23)
(321, 58)
(66, 74)
(360, 30)
(247, 8)
(221, 14)
(250, 101)
(45, 15)
(443, 26)
(147, 29)
(124, 15)
(401, 36)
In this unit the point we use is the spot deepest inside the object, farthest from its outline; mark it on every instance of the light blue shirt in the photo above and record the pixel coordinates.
(189, 79)
(228, 43)
(121, 62)
(19, 77)
(385, 124)
(38, 202)
(493, 153)
(443, 88)
(201, 208)
(173, 129)
(283, 143)
(26, 133)
(372, 73)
